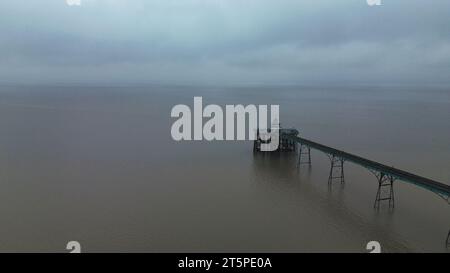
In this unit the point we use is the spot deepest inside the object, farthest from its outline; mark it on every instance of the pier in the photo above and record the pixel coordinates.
(290, 140)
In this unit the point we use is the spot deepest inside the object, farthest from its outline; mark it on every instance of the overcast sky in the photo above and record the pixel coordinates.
(225, 41)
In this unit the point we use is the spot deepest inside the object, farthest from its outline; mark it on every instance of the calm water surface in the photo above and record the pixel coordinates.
(98, 165)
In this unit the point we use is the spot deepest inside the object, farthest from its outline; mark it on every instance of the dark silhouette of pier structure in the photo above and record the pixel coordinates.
(290, 141)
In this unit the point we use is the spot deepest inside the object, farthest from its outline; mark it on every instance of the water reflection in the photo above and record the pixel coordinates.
(280, 172)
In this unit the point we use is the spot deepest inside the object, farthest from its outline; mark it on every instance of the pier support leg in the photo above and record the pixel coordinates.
(257, 142)
(304, 151)
(447, 243)
(336, 170)
(385, 190)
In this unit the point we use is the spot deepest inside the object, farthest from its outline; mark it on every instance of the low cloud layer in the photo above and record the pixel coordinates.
(225, 42)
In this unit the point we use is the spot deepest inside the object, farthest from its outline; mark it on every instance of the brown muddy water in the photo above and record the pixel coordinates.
(98, 165)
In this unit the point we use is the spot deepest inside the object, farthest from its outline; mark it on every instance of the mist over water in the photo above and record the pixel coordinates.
(98, 165)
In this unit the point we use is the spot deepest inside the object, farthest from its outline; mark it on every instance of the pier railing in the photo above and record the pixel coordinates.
(437, 187)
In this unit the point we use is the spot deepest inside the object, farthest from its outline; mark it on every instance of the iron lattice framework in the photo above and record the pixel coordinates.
(304, 151)
(447, 244)
(336, 169)
(385, 190)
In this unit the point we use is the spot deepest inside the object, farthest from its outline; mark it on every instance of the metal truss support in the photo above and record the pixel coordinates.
(256, 146)
(385, 190)
(447, 243)
(306, 152)
(336, 170)
(256, 142)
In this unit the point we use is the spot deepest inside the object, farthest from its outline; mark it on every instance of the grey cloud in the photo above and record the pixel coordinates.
(221, 41)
